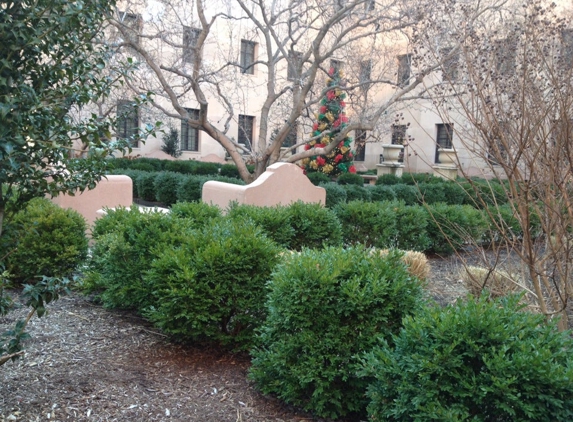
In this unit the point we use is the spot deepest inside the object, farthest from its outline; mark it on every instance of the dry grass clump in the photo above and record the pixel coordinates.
(416, 262)
(498, 283)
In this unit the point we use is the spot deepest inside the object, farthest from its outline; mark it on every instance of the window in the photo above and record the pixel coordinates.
(404, 69)
(246, 124)
(505, 56)
(127, 121)
(190, 37)
(336, 65)
(294, 61)
(132, 24)
(496, 148)
(567, 48)
(248, 57)
(360, 144)
(190, 135)
(450, 65)
(369, 5)
(365, 74)
(292, 136)
(399, 134)
(444, 137)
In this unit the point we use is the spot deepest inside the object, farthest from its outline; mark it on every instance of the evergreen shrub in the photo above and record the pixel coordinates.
(314, 226)
(406, 193)
(350, 179)
(212, 288)
(317, 178)
(181, 166)
(191, 188)
(126, 243)
(229, 170)
(49, 241)
(411, 227)
(166, 186)
(325, 309)
(382, 193)
(417, 178)
(198, 214)
(335, 194)
(389, 179)
(478, 360)
(367, 223)
(454, 193)
(206, 168)
(357, 193)
(274, 221)
(142, 167)
(431, 193)
(146, 186)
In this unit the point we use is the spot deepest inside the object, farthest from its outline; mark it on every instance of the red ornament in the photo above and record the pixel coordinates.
(321, 161)
(331, 71)
(322, 109)
(315, 126)
(336, 123)
(342, 104)
(338, 158)
(319, 146)
(350, 155)
(341, 144)
(307, 147)
(352, 169)
(331, 95)
(343, 118)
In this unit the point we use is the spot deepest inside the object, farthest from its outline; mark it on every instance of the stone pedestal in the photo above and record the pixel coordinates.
(390, 165)
(447, 168)
(389, 168)
(446, 172)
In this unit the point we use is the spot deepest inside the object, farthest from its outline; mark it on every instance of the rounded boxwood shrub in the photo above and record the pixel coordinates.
(198, 213)
(454, 193)
(382, 193)
(411, 227)
(190, 188)
(325, 308)
(317, 178)
(142, 167)
(181, 166)
(275, 221)
(229, 170)
(335, 194)
(127, 241)
(166, 186)
(206, 168)
(431, 193)
(350, 179)
(314, 226)
(146, 186)
(368, 223)
(212, 288)
(388, 179)
(357, 193)
(478, 360)
(49, 241)
(406, 193)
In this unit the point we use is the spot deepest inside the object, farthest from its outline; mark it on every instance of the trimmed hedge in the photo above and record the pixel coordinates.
(335, 194)
(326, 308)
(314, 226)
(367, 223)
(350, 179)
(479, 360)
(274, 221)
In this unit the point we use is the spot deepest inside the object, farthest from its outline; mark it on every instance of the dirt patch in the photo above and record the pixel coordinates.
(86, 363)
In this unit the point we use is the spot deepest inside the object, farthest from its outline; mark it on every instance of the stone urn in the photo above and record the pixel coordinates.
(392, 152)
(447, 156)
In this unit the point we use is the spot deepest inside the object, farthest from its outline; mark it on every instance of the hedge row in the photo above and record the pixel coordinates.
(177, 166)
(170, 187)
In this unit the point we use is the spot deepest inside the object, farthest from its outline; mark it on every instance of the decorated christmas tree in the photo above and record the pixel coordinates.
(331, 119)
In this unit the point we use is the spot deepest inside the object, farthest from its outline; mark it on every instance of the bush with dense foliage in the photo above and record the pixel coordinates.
(212, 287)
(382, 193)
(146, 186)
(198, 214)
(47, 240)
(357, 193)
(274, 221)
(350, 179)
(166, 186)
(335, 194)
(317, 178)
(388, 179)
(431, 193)
(126, 242)
(406, 193)
(479, 360)
(367, 223)
(314, 226)
(411, 227)
(327, 307)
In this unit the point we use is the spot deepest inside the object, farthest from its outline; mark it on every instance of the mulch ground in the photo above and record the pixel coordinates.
(87, 363)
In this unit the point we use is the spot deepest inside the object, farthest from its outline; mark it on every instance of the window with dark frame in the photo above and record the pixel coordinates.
(566, 56)
(245, 135)
(190, 135)
(292, 136)
(365, 74)
(127, 121)
(404, 69)
(450, 66)
(369, 5)
(399, 138)
(444, 137)
(248, 57)
(190, 37)
(294, 59)
(360, 144)
(132, 22)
